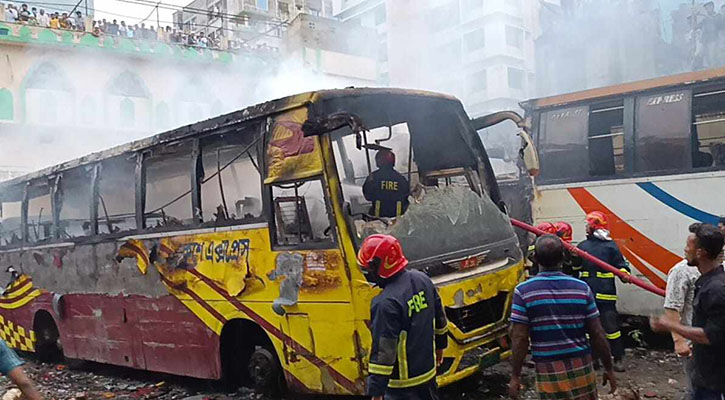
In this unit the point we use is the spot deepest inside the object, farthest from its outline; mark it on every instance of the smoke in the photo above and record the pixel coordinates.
(78, 102)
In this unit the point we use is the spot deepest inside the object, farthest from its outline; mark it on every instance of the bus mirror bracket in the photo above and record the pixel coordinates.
(316, 126)
(527, 152)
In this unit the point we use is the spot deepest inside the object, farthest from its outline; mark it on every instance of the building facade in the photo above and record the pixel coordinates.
(480, 51)
(64, 94)
(247, 23)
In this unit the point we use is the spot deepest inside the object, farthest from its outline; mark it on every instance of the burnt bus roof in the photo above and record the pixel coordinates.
(221, 122)
(687, 78)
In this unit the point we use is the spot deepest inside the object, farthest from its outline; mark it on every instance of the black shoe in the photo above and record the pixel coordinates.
(619, 366)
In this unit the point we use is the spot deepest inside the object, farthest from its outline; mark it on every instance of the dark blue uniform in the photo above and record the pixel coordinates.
(408, 325)
(604, 286)
(388, 190)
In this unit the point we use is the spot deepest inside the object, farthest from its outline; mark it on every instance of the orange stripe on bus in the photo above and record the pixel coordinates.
(629, 239)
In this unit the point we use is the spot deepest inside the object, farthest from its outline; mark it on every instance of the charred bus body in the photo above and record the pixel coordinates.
(226, 248)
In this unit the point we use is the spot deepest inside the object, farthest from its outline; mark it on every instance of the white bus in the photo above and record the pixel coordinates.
(649, 154)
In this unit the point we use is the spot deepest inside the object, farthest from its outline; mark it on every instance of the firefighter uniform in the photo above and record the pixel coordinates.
(604, 287)
(408, 325)
(388, 190)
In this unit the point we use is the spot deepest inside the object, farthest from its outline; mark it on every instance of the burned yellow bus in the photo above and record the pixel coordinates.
(226, 249)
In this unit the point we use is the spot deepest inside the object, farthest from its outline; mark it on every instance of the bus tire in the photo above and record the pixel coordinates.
(265, 371)
(47, 338)
(242, 342)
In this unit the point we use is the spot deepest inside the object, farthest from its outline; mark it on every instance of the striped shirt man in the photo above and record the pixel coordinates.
(556, 308)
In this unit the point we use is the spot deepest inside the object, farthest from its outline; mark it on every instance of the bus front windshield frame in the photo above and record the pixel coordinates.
(450, 212)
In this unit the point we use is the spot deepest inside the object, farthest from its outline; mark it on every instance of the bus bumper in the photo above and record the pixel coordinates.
(463, 360)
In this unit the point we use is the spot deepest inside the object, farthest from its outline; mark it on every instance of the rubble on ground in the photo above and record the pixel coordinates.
(651, 374)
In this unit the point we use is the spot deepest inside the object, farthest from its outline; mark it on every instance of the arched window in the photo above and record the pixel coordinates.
(46, 86)
(127, 113)
(162, 115)
(88, 110)
(6, 105)
(129, 102)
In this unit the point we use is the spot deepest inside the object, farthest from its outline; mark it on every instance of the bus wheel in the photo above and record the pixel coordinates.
(265, 371)
(47, 338)
(248, 358)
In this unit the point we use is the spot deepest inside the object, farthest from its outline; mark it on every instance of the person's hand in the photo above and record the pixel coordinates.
(377, 398)
(439, 357)
(658, 324)
(611, 379)
(682, 348)
(514, 387)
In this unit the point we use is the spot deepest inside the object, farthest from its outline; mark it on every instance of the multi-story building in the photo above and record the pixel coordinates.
(247, 23)
(480, 51)
(64, 93)
(587, 44)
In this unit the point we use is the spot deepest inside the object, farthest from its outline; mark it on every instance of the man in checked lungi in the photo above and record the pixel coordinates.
(557, 312)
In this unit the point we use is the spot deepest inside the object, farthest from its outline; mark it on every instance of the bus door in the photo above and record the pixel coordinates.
(309, 266)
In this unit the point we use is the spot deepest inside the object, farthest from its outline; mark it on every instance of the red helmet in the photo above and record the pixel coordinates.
(564, 231)
(547, 227)
(384, 253)
(597, 220)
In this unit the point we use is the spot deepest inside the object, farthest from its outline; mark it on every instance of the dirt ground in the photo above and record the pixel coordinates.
(652, 374)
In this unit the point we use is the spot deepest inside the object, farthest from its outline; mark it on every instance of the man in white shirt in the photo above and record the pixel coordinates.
(11, 14)
(43, 18)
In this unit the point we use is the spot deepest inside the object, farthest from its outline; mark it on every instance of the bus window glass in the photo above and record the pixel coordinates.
(563, 143)
(239, 195)
(352, 164)
(300, 213)
(708, 128)
(75, 204)
(40, 214)
(10, 224)
(606, 139)
(117, 195)
(168, 186)
(662, 131)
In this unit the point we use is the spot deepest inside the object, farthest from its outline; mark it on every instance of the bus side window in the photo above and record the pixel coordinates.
(562, 143)
(708, 128)
(662, 131)
(300, 213)
(10, 224)
(606, 139)
(117, 195)
(168, 186)
(75, 203)
(238, 196)
(40, 213)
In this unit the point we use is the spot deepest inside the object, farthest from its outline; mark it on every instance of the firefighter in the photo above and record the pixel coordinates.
(600, 245)
(572, 262)
(547, 227)
(408, 326)
(386, 188)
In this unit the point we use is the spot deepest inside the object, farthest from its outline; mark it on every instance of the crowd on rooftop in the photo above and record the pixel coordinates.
(77, 22)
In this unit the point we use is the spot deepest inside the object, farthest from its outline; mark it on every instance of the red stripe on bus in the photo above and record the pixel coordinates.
(139, 252)
(341, 379)
(196, 298)
(20, 285)
(630, 238)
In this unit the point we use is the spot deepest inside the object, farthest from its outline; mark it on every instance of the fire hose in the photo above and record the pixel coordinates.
(599, 263)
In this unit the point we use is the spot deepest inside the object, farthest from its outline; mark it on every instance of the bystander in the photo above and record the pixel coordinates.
(707, 333)
(11, 14)
(679, 306)
(10, 366)
(43, 18)
(557, 312)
